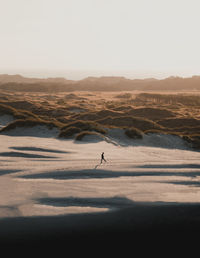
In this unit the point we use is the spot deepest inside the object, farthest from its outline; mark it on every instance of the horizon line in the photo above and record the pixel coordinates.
(78, 74)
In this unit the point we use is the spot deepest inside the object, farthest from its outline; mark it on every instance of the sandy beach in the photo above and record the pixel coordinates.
(52, 187)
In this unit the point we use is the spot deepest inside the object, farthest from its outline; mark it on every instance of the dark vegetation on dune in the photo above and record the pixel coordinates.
(79, 126)
(17, 113)
(69, 132)
(134, 133)
(82, 134)
(129, 121)
(78, 114)
(29, 123)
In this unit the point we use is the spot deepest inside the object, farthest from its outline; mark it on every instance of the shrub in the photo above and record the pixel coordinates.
(179, 122)
(85, 126)
(151, 113)
(82, 134)
(27, 123)
(166, 132)
(124, 95)
(94, 116)
(24, 114)
(130, 121)
(134, 133)
(17, 113)
(193, 140)
(4, 109)
(68, 132)
(156, 131)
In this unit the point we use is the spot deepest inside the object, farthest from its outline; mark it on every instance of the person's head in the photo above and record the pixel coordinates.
(102, 152)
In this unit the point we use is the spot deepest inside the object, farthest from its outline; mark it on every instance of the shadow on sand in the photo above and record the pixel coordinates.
(8, 171)
(38, 149)
(100, 173)
(107, 202)
(135, 223)
(175, 166)
(25, 155)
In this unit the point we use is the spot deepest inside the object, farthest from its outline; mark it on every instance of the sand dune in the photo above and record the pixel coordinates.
(59, 190)
(53, 188)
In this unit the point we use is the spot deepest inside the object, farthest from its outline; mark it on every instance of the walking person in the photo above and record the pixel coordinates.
(102, 157)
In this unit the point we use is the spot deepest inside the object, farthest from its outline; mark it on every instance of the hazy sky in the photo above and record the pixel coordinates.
(135, 35)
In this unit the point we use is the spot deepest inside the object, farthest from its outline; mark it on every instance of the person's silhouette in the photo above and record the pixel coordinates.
(102, 157)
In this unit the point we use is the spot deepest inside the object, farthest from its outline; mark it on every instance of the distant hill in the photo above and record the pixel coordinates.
(104, 83)
(175, 83)
(5, 78)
